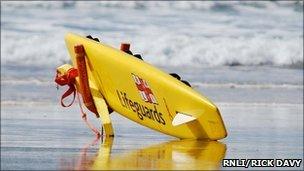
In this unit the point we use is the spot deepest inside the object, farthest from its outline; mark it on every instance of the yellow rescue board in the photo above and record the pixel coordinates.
(146, 94)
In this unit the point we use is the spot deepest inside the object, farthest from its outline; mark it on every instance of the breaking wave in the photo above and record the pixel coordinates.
(165, 33)
(193, 5)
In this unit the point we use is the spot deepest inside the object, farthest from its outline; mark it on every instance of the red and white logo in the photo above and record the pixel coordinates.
(144, 90)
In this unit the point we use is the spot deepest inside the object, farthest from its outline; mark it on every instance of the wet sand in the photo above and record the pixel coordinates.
(36, 137)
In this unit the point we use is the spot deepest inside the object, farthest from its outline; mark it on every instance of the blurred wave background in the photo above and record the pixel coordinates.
(211, 43)
(167, 33)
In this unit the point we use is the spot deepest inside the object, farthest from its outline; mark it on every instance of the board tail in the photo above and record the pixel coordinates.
(181, 118)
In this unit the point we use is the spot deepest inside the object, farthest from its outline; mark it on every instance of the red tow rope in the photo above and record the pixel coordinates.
(69, 79)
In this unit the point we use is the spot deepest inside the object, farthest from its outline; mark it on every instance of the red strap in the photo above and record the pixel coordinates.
(67, 93)
(61, 80)
(85, 119)
(69, 79)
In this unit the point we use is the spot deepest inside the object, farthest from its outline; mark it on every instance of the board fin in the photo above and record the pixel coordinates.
(181, 118)
(104, 114)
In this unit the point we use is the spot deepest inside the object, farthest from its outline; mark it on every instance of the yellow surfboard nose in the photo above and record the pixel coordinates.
(63, 69)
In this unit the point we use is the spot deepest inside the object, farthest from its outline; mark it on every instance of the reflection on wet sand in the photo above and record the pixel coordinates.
(178, 154)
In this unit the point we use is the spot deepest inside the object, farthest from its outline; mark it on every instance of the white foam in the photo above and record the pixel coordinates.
(192, 5)
(170, 33)
(236, 104)
(26, 103)
(247, 86)
(26, 81)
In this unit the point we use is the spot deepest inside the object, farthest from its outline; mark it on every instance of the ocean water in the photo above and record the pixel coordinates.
(178, 33)
(247, 57)
(247, 45)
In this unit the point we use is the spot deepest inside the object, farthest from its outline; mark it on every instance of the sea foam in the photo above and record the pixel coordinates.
(165, 33)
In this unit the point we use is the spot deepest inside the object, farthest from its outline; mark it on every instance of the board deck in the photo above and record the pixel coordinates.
(146, 94)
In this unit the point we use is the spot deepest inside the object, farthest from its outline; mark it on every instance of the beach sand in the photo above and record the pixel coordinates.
(35, 137)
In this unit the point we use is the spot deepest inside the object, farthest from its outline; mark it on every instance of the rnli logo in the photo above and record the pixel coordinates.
(144, 89)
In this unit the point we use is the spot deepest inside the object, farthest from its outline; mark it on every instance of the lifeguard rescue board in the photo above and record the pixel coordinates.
(145, 94)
